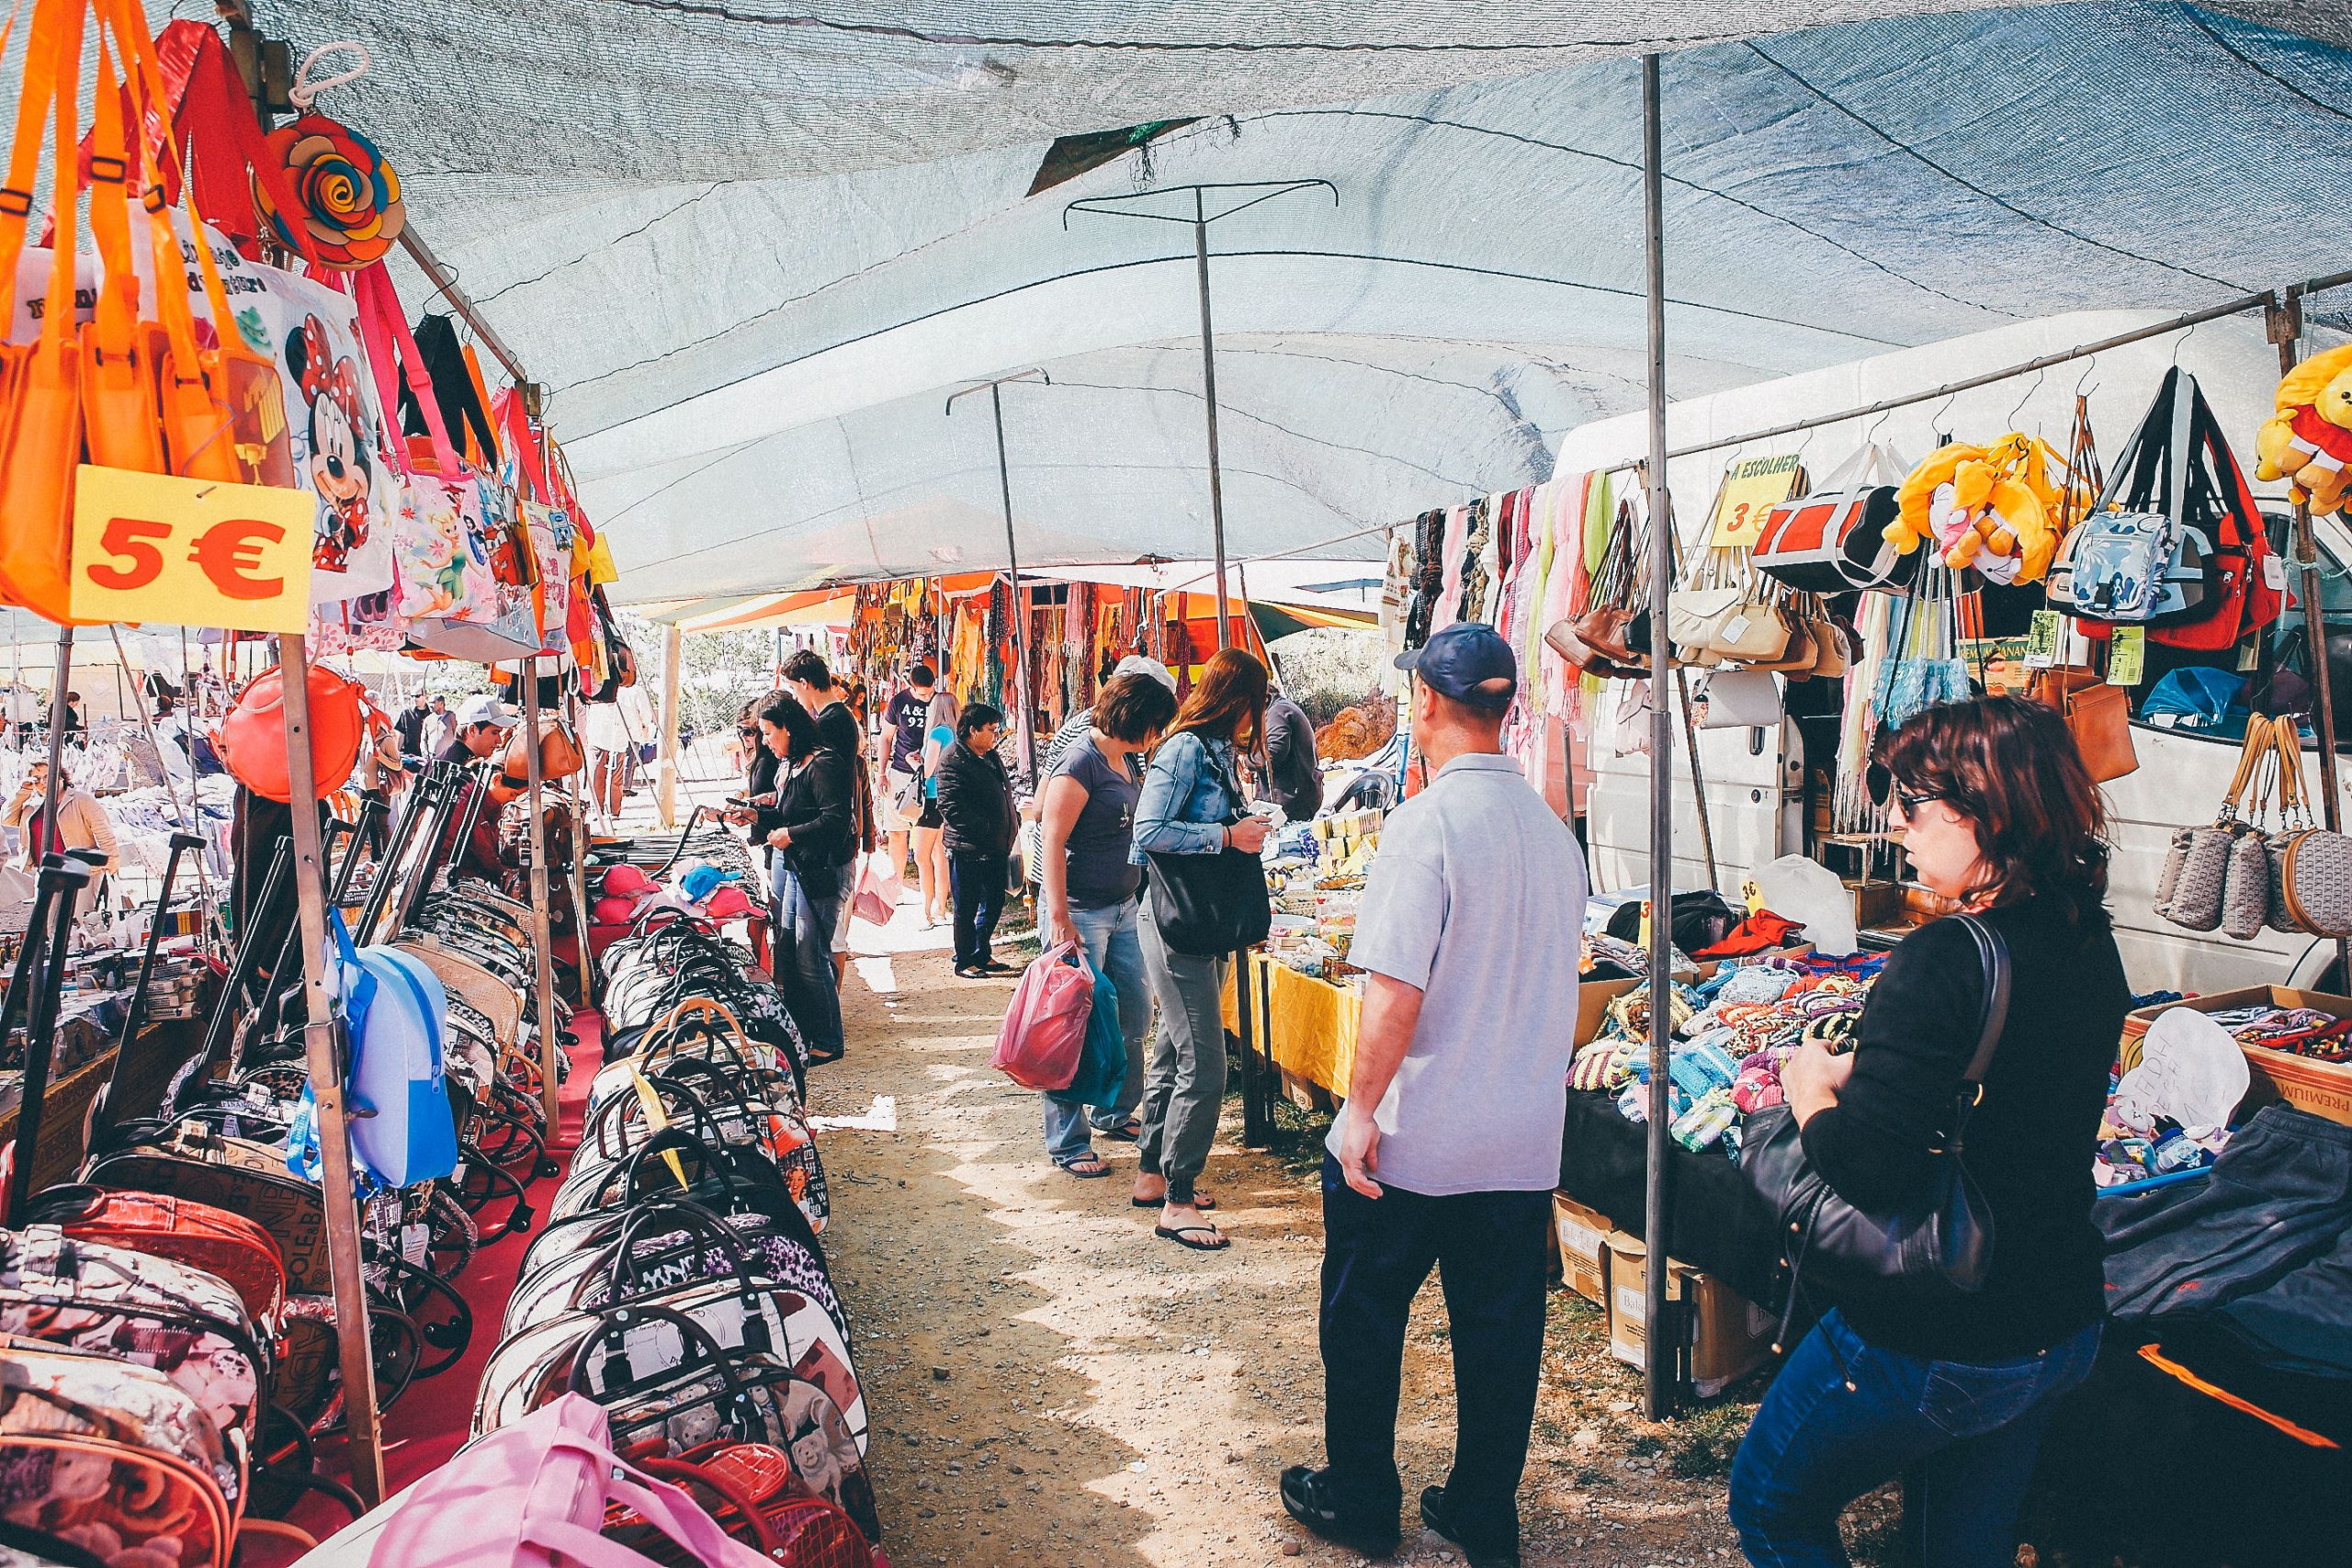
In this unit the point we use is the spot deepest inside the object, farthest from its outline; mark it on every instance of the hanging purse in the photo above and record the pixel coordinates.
(2311, 867)
(41, 425)
(2203, 884)
(1943, 1242)
(1833, 539)
(2098, 715)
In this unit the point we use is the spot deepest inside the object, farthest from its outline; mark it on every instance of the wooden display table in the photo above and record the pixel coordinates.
(1305, 1026)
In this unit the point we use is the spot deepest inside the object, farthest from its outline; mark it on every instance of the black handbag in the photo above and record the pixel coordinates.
(1946, 1241)
(1210, 906)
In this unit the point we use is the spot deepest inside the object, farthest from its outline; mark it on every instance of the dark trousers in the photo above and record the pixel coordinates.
(803, 912)
(1487, 1248)
(977, 884)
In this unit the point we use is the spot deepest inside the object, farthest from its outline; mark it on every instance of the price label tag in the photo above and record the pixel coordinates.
(2127, 658)
(2041, 641)
(2274, 573)
(414, 1238)
(1751, 489)
(190, 552)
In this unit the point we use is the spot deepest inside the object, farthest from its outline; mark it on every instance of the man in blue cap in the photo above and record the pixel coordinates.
(1448, 1148)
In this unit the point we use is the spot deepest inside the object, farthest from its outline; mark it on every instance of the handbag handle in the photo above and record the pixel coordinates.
(684, 1214)
(2294, 799)
(2258, 742)
(660, 1503)
(693, 1339)
(1993, 953)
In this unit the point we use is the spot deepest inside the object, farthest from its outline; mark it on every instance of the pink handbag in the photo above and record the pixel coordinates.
(534, 1494)
(1045, 1029)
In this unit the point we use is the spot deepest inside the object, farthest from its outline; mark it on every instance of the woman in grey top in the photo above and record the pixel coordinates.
(1090, 888)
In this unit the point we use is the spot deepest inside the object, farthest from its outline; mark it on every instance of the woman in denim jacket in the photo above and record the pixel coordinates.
(1192, 804)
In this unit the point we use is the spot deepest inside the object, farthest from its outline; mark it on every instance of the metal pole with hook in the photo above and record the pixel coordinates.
(1023, 741)
(1256, 1109)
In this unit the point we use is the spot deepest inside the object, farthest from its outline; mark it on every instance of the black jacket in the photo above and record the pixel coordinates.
(2030, 1142)
(976, 802)
(814, 806)
(1294, 777)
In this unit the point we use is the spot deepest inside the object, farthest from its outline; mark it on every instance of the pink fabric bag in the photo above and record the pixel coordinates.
(533, 1496)
(1045, 1029)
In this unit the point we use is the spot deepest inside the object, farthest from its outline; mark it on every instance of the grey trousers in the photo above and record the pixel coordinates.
(1186, 1087)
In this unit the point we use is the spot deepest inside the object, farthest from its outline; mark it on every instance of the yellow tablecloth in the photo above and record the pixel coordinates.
(1308, 1026)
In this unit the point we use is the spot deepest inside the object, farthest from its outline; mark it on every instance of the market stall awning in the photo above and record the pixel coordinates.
(804, 607)
(750, 279)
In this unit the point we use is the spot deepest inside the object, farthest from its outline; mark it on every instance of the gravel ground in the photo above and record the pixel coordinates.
(1050, 1384)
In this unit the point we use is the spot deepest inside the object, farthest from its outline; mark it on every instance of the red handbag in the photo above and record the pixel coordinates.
(227, 1245)
(762, 1501)
(251, 739)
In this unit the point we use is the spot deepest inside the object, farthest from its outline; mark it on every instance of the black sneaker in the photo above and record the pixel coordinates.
(1306, 1496)
(1434, 1514)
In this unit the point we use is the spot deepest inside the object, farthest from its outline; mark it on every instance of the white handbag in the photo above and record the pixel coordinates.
(1738, 699)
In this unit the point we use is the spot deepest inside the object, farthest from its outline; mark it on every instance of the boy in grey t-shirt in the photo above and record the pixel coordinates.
(1448, 1148)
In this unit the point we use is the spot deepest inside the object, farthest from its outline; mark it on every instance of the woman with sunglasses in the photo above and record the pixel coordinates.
(1952, 1392)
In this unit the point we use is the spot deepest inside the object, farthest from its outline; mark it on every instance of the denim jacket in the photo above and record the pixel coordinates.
(1187, 798)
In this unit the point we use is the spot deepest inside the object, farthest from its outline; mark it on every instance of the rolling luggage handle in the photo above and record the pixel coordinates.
(40, 964)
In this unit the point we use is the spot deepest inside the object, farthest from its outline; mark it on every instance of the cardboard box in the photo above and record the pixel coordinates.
(1593, 997)
(1581, 1236)
(2323, 1088)
(1725, 1336)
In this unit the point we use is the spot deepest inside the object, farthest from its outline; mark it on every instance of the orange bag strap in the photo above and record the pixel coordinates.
(57, 316)
(141, 65)
(42, 54)
(115, 326)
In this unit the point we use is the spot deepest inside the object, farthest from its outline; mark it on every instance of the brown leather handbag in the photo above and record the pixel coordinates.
(2098, 715)
(558, 753)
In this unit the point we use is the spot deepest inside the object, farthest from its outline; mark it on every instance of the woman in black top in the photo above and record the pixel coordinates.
(1952, 1392)
(810, 827)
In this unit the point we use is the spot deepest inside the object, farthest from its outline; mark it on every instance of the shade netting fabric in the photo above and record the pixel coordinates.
(751, 246)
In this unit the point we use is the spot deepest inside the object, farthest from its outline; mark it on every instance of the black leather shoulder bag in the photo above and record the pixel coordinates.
(1945, 1240)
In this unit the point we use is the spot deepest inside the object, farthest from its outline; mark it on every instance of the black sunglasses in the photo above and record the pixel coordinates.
(1909, 804)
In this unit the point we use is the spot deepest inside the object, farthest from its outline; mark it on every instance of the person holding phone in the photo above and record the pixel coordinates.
(1192, 804)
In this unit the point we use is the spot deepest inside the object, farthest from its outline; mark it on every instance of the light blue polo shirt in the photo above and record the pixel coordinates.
(1476, 898)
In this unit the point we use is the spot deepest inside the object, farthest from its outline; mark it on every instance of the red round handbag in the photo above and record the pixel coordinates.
(251, 739)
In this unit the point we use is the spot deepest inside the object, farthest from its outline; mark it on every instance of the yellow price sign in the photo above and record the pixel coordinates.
(1751, 489)
(190, 552)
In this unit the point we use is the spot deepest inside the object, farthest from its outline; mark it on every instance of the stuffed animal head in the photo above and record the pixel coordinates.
(2334, 401)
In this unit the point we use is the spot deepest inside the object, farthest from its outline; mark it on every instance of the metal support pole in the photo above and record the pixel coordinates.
(325, 1061)
(579, 870)
(1657, 1376)
(551, 1091)
(1024, 740)
(56, 784)
(1208, 397)
(2286, 329)
(665, 745)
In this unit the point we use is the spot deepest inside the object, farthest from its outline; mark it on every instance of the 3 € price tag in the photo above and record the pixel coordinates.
(1749, 490)
(190, 552)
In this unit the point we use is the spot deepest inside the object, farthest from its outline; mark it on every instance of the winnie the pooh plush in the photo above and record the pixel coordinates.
(2309, 441)
(1989, 507)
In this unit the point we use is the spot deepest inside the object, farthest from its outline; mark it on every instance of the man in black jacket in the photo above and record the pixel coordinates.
(976, 802)
(1294, 777)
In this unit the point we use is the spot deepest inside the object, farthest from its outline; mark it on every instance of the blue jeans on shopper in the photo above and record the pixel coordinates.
(1963, 1437)
(1108, 934)
(804, 911)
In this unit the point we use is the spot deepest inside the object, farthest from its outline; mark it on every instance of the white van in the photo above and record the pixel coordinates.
(1755, 778)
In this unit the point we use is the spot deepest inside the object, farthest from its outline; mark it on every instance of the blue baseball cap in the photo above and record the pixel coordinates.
(1462, 662)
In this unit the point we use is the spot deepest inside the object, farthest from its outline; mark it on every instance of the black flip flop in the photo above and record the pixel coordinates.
(1127, 1131)
(1066, 1166)
(1201, 1201)
(1178, 1234)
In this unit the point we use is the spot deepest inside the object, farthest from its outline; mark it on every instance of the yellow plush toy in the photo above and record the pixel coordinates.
(1976, 502)
(2308, 440)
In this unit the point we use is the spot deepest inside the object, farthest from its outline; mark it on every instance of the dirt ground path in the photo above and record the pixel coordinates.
(1051, 1385)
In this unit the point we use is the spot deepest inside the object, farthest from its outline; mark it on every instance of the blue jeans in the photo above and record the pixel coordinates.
(804, 914)
(1108, 934)
(1489, 1250)
(1963, 1438)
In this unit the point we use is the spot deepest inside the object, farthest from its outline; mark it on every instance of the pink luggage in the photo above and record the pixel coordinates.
(1045, 1029)
(533, 1495)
